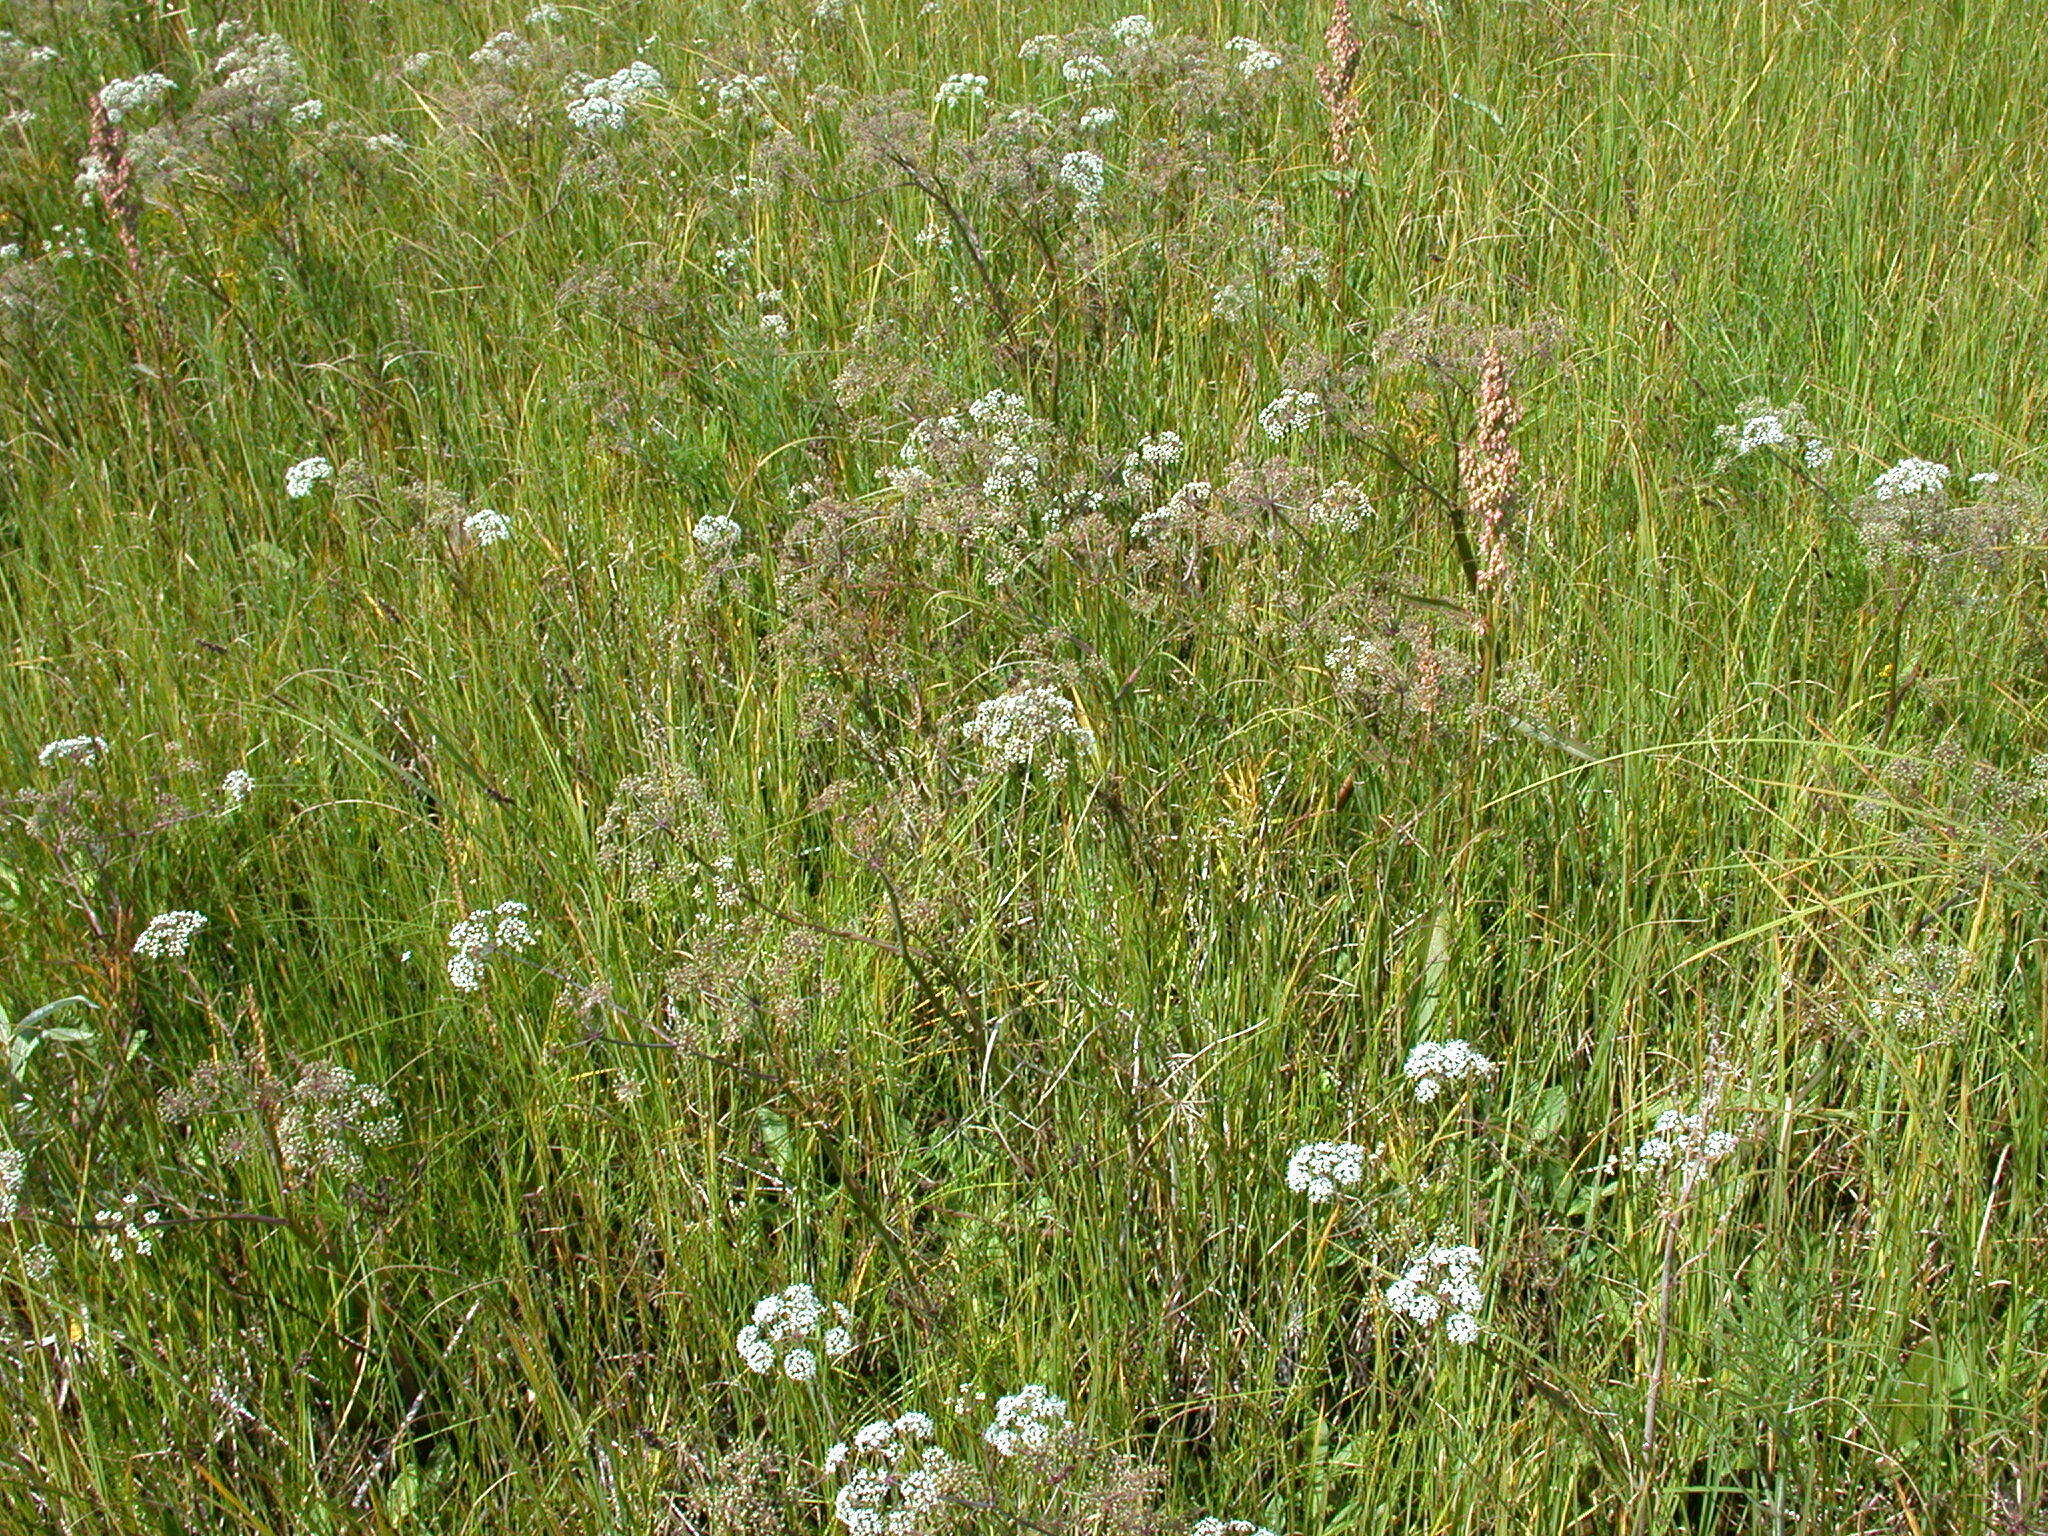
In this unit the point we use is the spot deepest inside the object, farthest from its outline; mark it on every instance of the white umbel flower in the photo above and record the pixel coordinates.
(487, 526)
(716, 534)
(1209, 1525)
(1911, 477)
(1322, 1169)
(605, 106)
(1438, 1287)
(137, 93)
(300, 479)
(1028, 1420)
(1291, 411)
(958, 88)
(169, 935)
(1434, 1063)
(1084, 173)
(1012, 729)
(85, 751)
(482, 936)
(791, 1330)
(895, 1478)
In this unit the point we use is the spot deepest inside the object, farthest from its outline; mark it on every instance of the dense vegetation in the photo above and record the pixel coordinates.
(1312, 759)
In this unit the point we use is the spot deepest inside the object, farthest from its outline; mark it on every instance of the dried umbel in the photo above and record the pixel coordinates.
(1449, 340)
(1400, 672)
(664, 832)
(740, 1491)
(1490, 470)
(318, 1123)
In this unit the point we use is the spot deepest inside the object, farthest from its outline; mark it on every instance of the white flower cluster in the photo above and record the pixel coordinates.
(897, 1482)
(997, 433)
(82, 750)
(716, 534)
(1083, 173)
(1006, 422)
(259, 72)
(1209, 1525)
(1255, 58)
(1177, 511)
(958, 88)
(236, 788)
(1911, 477)
(1435, 1062)
(782, 1330)
(1687, 1138)
(126, 1230)
(1438, 1285)
(1320, 1169)
(308, 112)
(137, 93)
(605, 106)
(1086, 69)
(737, 96)
(1764, 425)
(1028, 1420)
(502, 50)
(93, 173)
(300, 479)
(1095, 119)
(1292, 411)
(1341, 508)
(1011, 728)
(487, 526)
(169, 935)
(1130, 31)
(482, 936)
(13, 1170)
(544, 16)
(1162, 450)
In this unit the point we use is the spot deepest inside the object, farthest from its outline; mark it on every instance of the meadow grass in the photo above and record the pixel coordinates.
(1726, 788)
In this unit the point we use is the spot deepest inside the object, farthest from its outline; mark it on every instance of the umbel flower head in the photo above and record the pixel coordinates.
(481, 937)
(1013, 728)
(790, 1330)
(300, 479)
(169, 935)
(896, 1479)
(1435, 1062)
(1030, 1419)
(1437, 1288)
(1321, 1169)
(1209, 1525)
(716, 534)
(1763, 427)
(82, 750)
